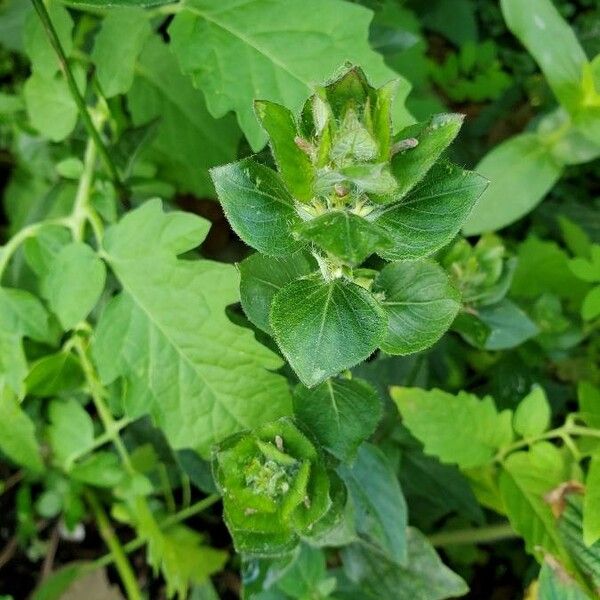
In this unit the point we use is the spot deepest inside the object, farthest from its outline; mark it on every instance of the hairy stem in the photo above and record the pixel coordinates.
(76, 94)
(478, 535)
(117, 551)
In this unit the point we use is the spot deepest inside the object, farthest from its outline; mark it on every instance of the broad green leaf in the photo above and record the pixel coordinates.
(424, 577)
(555, 583)
(431, 214)
(434, 490)
(188, 141)
(411, 165)
(21, 315)
(119, 42)
(100, 469)
(17, 433)
(552, 43)
(41, 250)
(339, 413)
(543, 267)
(525, 479)
(117, 3)
(58, 582)
(258, 206)
(380, 506)
(461, 429)
(591, 502)
(521, 172)
(293, 163)
(420, 302)
(587, 269)
(344, 235)
(261, 277)
(507, 325)
(336, 325)
(13, 16)
(71, 431)
(590, 309)
(588, 398)
(307, 577)
(54, 374)
(214, 377)
(74, 283)
(532, 415)
(271, 51)
(44, 61)
(50, 105)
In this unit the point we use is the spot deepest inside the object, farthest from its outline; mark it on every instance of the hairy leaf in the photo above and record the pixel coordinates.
(335, 326)
(420, 302)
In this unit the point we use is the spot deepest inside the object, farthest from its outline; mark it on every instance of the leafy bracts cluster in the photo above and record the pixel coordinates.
(346, 188)
(275, 487)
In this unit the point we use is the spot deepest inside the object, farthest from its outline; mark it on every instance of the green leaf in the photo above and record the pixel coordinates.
(532, 415)
(50, 105)
(433, 137)
(344, 235)
(44, 61)
(445, 197)
(54, 374)
(41, 250)
(258, 206)
(71, 431)
(591, 501)
(293, 163)
(525, 479)
(556, 584)
(552, 43)
(252, 54)
(424, 577)
(508, 325)
(116, 3)
(21, 315)
(521, 172)
(325, 327)
(587, 558)
(587, 269)
(263, 276)
(59, 581)
(307, 577)
(117, 45)
(339, 413)
(590, 308)
(461, 429)
(588, 398)
(101, 469)
(380, 506)
(213, 378)
(17, 433)
(420, 302)
(543, 267)
(74, 283)
(188, 141)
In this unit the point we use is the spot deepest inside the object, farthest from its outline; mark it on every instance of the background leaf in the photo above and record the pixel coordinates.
(255, 45)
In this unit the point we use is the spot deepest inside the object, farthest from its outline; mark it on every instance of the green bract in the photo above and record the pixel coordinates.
(347, 188)
(275, 487)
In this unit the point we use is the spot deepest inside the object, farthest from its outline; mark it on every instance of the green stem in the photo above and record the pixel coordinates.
(116, 549)
(80, 207)
(16, 240)
(77, 97)
(479, 535)
(102, 439)
(97, 393)
(182, 515)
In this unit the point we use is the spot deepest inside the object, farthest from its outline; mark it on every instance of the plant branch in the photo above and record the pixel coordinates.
(478, 535)
(77, 97)
(116, 549)
(182, 515)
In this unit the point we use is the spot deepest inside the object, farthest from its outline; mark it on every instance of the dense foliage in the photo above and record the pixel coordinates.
(299, 299)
